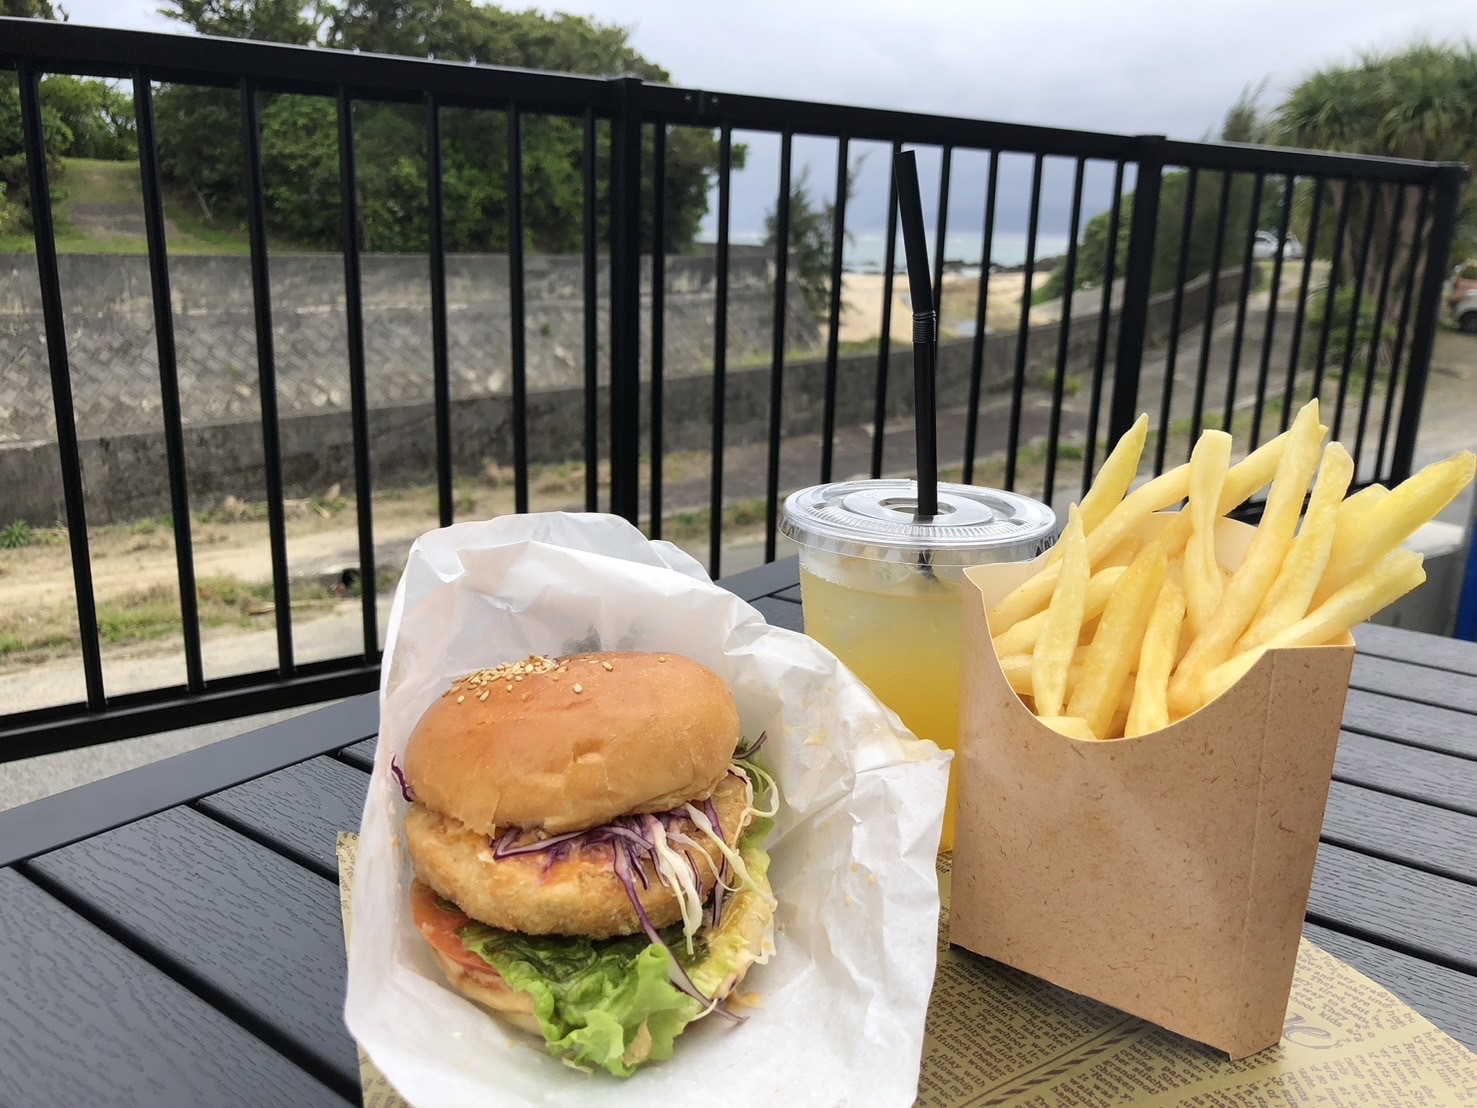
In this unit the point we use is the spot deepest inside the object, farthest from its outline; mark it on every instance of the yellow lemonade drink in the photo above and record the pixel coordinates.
(881, 587)
(903, 643)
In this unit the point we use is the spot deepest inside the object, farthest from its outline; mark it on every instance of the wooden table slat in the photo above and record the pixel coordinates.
(1407, 771)
(1442, 995)
(361, 754)
(299, 810)
(1421, 914)
(1432, 651)
(255, 928)
(1388, 717)
(780, 613)
(84, 1020)
(1409, 681)
(1404, 830)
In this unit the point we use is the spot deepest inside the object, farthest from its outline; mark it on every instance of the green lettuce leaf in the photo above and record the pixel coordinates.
(609, 1004)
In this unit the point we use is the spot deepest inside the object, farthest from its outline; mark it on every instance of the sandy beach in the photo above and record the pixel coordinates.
(862, 296)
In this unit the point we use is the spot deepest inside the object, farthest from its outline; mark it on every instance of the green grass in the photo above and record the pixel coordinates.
(142, 615)
(92, 181)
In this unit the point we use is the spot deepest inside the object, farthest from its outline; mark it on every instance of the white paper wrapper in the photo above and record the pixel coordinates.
(843, 997)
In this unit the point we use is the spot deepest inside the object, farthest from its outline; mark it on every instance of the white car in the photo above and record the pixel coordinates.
(1464, 313)
(1265, 246)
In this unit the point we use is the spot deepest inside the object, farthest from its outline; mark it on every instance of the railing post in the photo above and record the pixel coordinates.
(1138, 273)
(625, 297)
(1449, 181)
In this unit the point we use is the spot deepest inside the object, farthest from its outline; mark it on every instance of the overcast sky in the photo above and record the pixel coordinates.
(1130, 66)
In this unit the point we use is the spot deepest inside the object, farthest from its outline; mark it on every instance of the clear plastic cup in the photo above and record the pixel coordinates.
(881, 588)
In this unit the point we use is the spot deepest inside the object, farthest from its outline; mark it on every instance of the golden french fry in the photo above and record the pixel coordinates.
(1202, 573)
(1017, 670)
(1149, 710)
(1251, 474)
(1397, 574)
(1125, 552)
(1248, 585)
(1021, 639)
(1032, 595)
(1354, 511)
(1115, 477)
(1058, 638)
(1115, 647)
(1292, 592)
(1070, 726)
(1393, 518)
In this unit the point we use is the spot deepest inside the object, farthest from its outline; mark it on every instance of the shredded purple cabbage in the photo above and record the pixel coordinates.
(631, 841)
(743, 753)
(405, 789)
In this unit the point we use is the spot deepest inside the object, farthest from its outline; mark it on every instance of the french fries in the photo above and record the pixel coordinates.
(1115, 647)
(1202, 573)
(1063, 623)
(1133, 623)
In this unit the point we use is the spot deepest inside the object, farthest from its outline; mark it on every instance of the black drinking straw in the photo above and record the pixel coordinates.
(925, 331)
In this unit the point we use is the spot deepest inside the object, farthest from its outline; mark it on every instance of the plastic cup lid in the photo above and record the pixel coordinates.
(874, 519)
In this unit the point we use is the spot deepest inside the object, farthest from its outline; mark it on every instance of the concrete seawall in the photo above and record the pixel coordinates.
(124, 461)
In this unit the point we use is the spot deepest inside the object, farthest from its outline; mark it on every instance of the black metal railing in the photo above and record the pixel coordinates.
(1122, 342)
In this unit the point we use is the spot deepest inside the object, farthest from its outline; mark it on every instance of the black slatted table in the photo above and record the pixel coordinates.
(171, 936)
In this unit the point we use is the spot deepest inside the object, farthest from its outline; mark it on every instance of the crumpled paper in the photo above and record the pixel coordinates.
(843, 998)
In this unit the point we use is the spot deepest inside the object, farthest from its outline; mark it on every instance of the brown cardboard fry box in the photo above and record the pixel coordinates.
(1166, 875)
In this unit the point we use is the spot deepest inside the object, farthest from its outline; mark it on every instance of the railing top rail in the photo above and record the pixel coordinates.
(1273, 160)
(204, 60)
(99, 51)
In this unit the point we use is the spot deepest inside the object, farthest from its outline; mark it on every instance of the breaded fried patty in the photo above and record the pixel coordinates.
(577, 893)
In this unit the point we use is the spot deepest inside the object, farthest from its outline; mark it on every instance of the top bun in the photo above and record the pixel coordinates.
(570, 744)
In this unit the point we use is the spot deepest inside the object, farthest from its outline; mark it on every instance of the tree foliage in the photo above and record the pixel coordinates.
(1419, 102)
(811, 239)
(200, 135)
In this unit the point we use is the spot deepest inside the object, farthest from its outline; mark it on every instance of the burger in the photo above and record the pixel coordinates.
(588, 840)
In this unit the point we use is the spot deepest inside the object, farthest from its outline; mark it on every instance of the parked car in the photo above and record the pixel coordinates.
(1265, 246)
(1463, 280)
(1464, 313)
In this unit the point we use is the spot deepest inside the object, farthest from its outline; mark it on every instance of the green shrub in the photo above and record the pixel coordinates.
(15, 536)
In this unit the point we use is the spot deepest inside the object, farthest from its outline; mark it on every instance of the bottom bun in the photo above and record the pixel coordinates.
(492, 992)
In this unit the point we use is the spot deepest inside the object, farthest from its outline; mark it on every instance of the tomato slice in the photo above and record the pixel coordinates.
(440, 927)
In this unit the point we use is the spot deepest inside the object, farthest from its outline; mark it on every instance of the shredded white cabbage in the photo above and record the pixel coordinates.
(677, 871)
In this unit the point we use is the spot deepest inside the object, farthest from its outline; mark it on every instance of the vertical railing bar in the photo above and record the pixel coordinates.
(1104, 324)
(1449, 181)
(625, 298)
(174, 438)
(517, 309)
(591, 321)
(1330, 290)
(884, 340)
(1392, 247)
(1310, 250)
(358, 392)
(440, 356)
(1274, 291)
(777, 356)
(1023, 330)
(833, 333)
(1059, 385)
(34, 144)
(720, 348)
(1176, 313)
(266, 362)
(1351, 333)
(982, 301)
(658, 315)
(942, 233)
(1417, 241)
(1238, 335)
(1138, 285)
(1212, 294)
